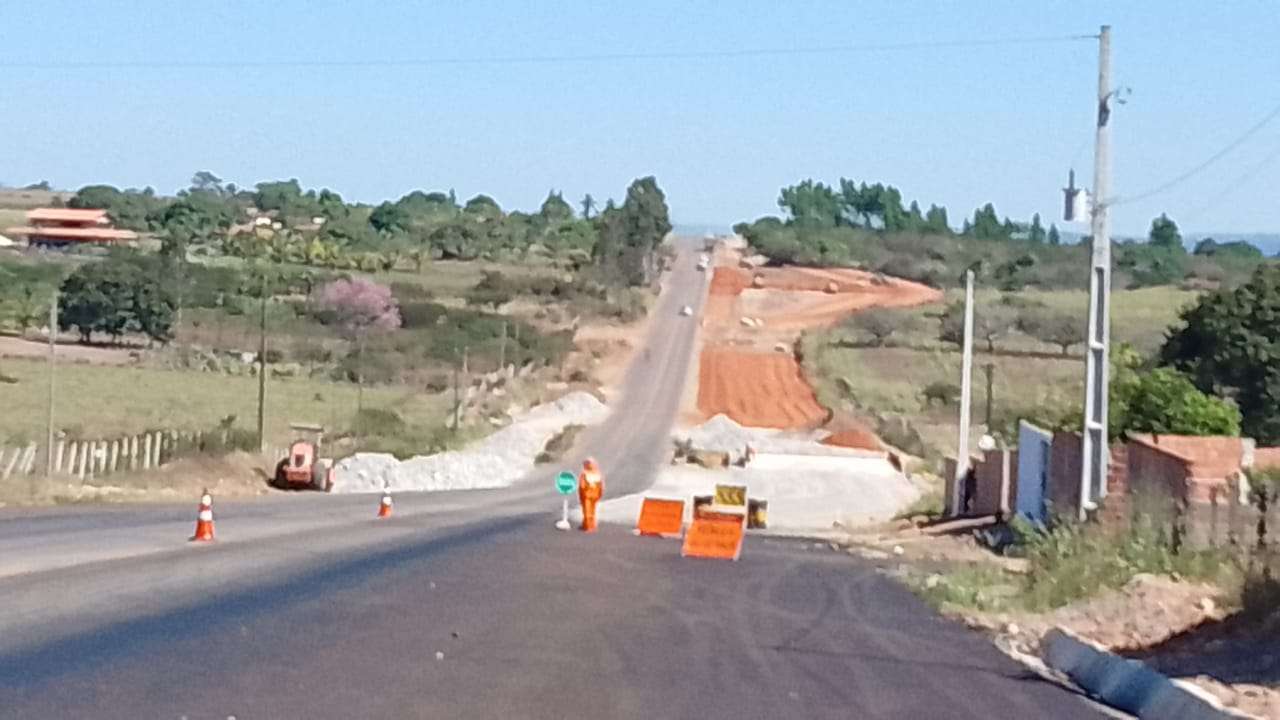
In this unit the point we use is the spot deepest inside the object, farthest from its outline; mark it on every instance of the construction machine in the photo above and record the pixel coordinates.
(304, 468)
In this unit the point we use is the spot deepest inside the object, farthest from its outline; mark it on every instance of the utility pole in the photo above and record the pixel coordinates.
(966, 392)
(262, 365)
(53, 362)
(502, 349)
(1094, 454)
(989, 369)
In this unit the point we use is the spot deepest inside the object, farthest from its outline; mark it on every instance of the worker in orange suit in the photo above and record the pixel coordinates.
(590, 489)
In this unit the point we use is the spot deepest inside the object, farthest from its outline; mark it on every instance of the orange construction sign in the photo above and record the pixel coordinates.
(659, 516)
(714, 535)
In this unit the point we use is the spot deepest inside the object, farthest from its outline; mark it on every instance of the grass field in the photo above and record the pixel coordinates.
(890, 380)
(98, 401)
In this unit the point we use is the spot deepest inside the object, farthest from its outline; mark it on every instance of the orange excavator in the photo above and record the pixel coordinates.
(304, 468)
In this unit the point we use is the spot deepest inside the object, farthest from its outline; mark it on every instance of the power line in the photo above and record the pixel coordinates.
(533, 59)
(1211, 160)
(1237, 182)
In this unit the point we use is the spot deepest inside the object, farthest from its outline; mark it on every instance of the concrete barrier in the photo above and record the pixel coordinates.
(1127, 684)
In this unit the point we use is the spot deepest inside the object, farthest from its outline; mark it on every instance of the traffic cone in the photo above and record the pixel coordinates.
(384, 509)
(204, 519)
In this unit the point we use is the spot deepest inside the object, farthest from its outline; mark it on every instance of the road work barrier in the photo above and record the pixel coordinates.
(384, 507)
(715, 535)
(662, 517)
(204, 519)
(731, 495)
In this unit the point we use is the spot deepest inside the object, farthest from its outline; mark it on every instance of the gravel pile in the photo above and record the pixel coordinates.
(497, 461)
(722, 434)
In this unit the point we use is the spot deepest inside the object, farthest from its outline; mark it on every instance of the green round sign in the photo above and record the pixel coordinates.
(566, 482)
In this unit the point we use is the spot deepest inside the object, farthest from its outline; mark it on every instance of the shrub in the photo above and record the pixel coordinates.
(881, 323)
(942, 392)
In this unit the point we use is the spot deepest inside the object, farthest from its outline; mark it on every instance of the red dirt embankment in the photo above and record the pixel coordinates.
(742, 375)
(759, 389)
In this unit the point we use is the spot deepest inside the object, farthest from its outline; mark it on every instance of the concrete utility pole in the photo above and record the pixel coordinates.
(262, 365)
(966, 392)
(1094, 454)
(53, 361)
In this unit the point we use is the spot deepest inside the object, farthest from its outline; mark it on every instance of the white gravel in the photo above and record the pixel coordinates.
(807, 494)
(497, 461)
(723, 434)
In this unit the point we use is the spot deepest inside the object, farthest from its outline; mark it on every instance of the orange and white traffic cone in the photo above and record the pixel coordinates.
(204, 519)
(384, 509)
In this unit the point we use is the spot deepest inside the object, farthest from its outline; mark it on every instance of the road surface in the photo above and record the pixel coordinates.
(469, 605)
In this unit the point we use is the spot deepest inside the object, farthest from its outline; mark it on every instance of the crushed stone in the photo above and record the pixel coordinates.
(497, 461)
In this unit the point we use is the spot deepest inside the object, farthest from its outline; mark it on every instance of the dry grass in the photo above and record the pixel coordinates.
(890, 380)
(96, 401)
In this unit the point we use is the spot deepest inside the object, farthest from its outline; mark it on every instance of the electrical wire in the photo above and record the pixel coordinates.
(1258, 126)
(532, 59)
(1237, 182)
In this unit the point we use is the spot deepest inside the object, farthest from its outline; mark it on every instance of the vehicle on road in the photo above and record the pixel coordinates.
(303, 468)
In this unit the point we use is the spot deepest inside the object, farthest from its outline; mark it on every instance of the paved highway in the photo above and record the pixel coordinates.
(469, 605)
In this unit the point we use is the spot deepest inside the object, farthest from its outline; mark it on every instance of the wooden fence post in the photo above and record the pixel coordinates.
(133, 452)
(13, 460)
(115, 456)
(57, 455)
(156, 447)
(84, 459)
(30, 464)
(146, 451)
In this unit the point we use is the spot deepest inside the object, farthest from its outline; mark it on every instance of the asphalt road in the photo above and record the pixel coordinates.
(469, 605)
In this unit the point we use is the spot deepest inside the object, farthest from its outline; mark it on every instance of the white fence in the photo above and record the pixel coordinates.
(85, 459)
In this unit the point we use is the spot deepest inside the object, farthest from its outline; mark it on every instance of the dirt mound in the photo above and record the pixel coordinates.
(858, 439)
(758, 389)
(729, 281)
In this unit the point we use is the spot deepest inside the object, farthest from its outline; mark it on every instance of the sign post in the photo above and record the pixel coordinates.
(565, 484)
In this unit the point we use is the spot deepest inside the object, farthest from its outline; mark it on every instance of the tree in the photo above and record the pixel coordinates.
(493, 290)
(989, 325)
(987, 225)
(1035, 233)
(1164, 401)
(203, 180)
(645, 222)
(28, 309)
(812, 204)
(1054, 237)
(935, 221)
(554, 209)
(1164, 234)
(588, 205)
(358, 308)
(881, 323)
(390, 216)
(483, 207)
(131, 209)
(116, 296)
(42, 185)
(1209, 247)
(1050, 327)
(1229, 343)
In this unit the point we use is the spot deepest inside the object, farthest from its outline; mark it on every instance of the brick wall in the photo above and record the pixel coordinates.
(1064, 474)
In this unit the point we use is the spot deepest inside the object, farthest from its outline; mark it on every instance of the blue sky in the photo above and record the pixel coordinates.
(959, 126)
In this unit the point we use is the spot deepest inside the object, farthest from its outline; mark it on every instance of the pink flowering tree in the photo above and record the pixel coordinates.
(359, 308)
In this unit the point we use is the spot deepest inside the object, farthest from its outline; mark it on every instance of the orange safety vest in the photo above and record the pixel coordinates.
(590, 485)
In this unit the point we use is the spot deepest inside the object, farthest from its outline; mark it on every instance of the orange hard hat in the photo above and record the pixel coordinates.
(590, 464)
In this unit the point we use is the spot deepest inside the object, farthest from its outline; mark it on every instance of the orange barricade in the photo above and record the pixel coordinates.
(662, 517)
(714, 535)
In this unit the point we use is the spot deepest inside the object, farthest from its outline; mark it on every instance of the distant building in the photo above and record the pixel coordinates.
(62, 226)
